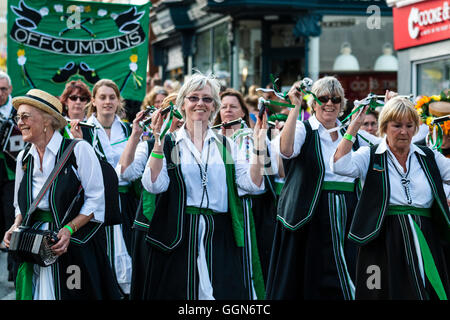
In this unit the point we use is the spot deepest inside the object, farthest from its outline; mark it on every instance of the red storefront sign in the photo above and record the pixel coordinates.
(421, 23)
(358, 85)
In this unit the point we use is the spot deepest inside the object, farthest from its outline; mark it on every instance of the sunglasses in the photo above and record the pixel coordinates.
(75, 97)
(195, 99)
(325, 99)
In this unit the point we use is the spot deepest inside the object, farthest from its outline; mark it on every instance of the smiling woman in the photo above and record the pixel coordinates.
(202, 229)
(402, 229)
(315, 206)
(76, 220)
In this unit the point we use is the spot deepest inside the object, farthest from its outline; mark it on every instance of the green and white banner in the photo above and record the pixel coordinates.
(51, 42)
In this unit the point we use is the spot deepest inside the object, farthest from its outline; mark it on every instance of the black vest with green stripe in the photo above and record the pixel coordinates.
(372, 206)
(88, 135)
(166, 225)
(303, 184)
(65, 195)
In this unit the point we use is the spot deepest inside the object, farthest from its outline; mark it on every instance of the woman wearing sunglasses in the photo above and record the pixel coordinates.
(74, 99)
(196, 233)
(311, 258)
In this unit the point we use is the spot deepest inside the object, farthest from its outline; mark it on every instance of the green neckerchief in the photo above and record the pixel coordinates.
(428, 262)
(148, 204)
(257, 276)
(24, 278)
(24, 281)
(237, 219)
(236, 210)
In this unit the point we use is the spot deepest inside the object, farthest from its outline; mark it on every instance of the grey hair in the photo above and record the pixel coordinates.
(328, 86)
(196, 82)
(4, 75)
(54, 123)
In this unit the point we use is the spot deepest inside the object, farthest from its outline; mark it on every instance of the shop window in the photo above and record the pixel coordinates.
(433, 76)
(221, 53)
(249, 54)
(282, 36)
(348, 44)
(213, 53)
(202, 59)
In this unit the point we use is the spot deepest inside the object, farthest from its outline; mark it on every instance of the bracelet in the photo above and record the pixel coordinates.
(68, 228)
(157, 155)
(75, 228)
(349, 137)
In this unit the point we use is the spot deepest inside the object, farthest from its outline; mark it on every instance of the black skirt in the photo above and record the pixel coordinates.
(128, 207)
(388, 266)
(316, 261)
(97, 280)
(174, 275)
(139, 257)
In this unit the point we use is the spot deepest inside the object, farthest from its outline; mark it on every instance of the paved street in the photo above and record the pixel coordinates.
(7, 291)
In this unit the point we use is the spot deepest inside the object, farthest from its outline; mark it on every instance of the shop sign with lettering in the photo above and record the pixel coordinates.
(421, 23)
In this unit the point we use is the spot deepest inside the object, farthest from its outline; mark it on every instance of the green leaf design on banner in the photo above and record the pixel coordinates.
(59, 41)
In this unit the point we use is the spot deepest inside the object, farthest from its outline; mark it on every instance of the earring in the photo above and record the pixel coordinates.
(45, 129)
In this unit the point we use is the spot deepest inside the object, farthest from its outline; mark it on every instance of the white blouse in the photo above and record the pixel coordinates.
(112, 147)
(209, 161)
(356, 164)
(89, 173)
(137, 167)
(328, 146)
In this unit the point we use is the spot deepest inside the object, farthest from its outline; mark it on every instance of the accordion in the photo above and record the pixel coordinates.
(30, 245)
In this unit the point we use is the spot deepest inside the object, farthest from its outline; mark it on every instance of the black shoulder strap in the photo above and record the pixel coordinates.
(126, 128)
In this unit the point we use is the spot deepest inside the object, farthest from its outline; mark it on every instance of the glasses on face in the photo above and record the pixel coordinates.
(74, 98)
(195, 99)
(4, 89)
(23, 116)
(325, 99)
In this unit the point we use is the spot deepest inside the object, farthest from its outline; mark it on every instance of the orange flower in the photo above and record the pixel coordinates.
(446, 127)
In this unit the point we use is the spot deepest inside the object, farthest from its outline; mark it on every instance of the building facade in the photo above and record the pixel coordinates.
(244, 42)
(422, 38)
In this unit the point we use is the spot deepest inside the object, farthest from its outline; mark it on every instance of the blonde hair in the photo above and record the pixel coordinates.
(170, 98)
(397, 109)
(107, 83)
(196, 82)
(149, 99)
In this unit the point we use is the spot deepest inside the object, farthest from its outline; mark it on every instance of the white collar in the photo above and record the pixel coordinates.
(93, 120)
(383, 147)
(183, 134)
(316, 124)
(53, 145)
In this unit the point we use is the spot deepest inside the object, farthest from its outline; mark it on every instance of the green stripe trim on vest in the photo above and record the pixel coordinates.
(338, 186)
(195, 210)
(396, 210)
(430, 267)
